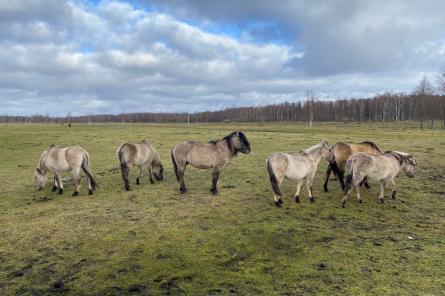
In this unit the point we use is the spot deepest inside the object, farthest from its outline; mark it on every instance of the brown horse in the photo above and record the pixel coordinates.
(340, 152)
(59, 159)
(139, 154)
(214, 155)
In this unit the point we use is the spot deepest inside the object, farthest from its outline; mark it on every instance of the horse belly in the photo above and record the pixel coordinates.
(295, 172)
(201, 159)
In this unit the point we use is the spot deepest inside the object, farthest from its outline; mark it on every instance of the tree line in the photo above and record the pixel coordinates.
(425, 104)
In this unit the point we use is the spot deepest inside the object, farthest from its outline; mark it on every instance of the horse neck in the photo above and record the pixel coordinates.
(400, 166)
(156, 159)
(223, 144)
(42, 163)
(314, 154)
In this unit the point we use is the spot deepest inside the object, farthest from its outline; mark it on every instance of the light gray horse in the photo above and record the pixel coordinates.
(296, 167)
(383, 167)
(139, 154)
(59, 159)
(214, 155)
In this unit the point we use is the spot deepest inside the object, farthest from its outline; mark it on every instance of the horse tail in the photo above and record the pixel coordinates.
(349, 175)
(120, 157)
(86, 167)
(273, 178)
(175, 166)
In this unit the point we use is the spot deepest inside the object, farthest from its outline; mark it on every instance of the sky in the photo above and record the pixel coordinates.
(90, 57)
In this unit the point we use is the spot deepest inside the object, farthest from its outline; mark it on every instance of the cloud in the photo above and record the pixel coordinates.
(113, 56)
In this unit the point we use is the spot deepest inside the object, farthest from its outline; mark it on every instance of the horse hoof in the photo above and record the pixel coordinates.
(75, 193)
(359, 201)
(183, 191)
(367, 186)
(393, 195)
(312, 199)
(382, 200)
(60, 191)
(137, 181)
(297, 199)
(280, 201)
(214, 192)
(325, 189)
(278, 204)
(90, 192)
(343, 205)
(54, 188)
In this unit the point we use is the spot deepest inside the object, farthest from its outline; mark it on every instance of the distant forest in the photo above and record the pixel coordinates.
(426, 104)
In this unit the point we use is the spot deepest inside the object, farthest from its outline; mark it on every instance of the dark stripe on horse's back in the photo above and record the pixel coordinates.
(372, 144)
(396, 156)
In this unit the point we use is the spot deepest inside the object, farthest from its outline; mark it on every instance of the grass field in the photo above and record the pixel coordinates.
(154, 241)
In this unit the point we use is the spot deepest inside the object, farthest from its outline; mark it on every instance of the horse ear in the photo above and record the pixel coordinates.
(38, 171)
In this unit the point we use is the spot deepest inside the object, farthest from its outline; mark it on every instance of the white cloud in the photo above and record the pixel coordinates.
(112, 56)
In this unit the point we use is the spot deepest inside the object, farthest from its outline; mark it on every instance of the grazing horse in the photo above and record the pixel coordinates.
(340, 152)
(139, 154)
(214, 154)
(59, 159)
(383, 167)
(296, 167)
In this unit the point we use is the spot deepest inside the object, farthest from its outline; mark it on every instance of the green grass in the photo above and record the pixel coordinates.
(154, 241)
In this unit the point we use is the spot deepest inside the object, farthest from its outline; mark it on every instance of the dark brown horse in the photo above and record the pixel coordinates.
(214, 154)
(340, 152)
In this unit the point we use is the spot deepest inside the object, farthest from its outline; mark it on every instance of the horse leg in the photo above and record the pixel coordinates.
(382, 191)
(76, 177)
(215, 176)
(297, 194)
(341, 179)
(59, 182)
(328, 174)
(355, 183)
(394, 189)
(309, 189)
(345, 197)
(365, 182)
(125, 171)
(55, 186)
(359, 198)
(150, 177)
(139, 174)
(181, 170)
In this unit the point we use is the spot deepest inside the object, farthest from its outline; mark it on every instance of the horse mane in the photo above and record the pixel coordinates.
(372, 144)
(311, 149)
(228, 138)
(400, 156)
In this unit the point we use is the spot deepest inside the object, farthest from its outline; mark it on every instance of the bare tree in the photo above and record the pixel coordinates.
(310, 99)
(441, 91)
(423, 91)
(68, 119)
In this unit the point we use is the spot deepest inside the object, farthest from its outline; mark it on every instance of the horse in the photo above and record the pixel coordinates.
(383, 167)
(139, 154)
(340, 152)
(214, 154)
(297, 167)
(59, 159)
